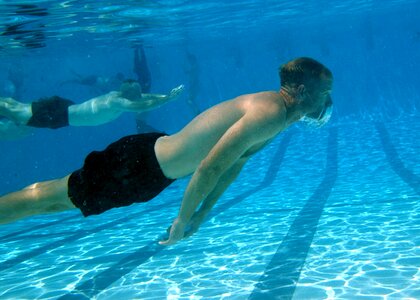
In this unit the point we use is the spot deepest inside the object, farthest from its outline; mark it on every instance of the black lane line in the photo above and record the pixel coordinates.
(92, 287)
(100, 282)
(269, 177)
(16, 235)
(282, 273)
(4, 265)
(394, 160)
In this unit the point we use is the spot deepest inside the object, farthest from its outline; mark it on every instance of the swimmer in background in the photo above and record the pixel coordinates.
(100, 84)
(213, 148)
(141, 69)
(56, 112)
(193, 72)
(9, 130)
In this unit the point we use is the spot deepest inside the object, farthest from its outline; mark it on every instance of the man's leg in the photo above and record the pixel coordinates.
(38, 198)
(16, 111)
(9, 130)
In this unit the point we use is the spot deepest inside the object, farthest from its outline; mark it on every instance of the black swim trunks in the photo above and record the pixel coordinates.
(126, 172)
(50, 112)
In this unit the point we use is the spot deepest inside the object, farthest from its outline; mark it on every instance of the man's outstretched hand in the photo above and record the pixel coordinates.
(176, 233)
(176, 91)
(187, 231)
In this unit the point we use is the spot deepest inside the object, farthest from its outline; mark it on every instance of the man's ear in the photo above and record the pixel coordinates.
(301, 89)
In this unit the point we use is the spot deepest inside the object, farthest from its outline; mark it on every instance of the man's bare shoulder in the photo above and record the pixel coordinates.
(264, 111)
(268, 103)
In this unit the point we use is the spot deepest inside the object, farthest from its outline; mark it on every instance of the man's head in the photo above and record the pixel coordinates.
(304, 70)
(131, 90)
(310, 82)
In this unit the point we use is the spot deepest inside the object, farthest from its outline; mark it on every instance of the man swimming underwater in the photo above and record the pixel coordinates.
(213, 148)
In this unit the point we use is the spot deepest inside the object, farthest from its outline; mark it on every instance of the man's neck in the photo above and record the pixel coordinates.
(294, 111)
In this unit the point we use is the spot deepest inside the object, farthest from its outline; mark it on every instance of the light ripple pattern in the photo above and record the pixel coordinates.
(366, 243)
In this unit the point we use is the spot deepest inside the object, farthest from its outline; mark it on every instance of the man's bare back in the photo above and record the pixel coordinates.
(180, 154)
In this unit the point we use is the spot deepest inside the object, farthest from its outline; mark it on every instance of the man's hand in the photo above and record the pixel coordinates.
(194, 224)
(176, 91)
(176, 233)
(192, 227)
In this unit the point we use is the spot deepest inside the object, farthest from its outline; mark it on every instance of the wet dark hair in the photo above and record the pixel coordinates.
(129, 80)
(131, 90)
(303, 70)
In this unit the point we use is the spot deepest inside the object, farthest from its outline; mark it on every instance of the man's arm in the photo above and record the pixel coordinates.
(224, 182)
(252, 129)
(150, 101)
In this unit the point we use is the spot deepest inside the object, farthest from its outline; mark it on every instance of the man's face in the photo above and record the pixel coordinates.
(321, 99)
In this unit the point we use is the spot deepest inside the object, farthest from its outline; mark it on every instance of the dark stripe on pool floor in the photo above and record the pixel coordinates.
(395, 161)
(269, 177)
(17, 235)
(80, 234)
(283, 271)
(100, 282)
(23, 234)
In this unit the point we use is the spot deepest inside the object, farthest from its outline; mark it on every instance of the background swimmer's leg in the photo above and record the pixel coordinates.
(14, 110)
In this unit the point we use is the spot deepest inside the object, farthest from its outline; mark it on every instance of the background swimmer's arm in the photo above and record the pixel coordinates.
(224, 182)
(150, 101)
(175, 92)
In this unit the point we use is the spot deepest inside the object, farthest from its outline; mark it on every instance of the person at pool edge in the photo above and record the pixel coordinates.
(213, 147)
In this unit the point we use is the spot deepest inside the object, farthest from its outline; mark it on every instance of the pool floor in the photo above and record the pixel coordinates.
(318, 214)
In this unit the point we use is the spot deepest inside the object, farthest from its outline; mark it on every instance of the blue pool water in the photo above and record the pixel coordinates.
(330, 213)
